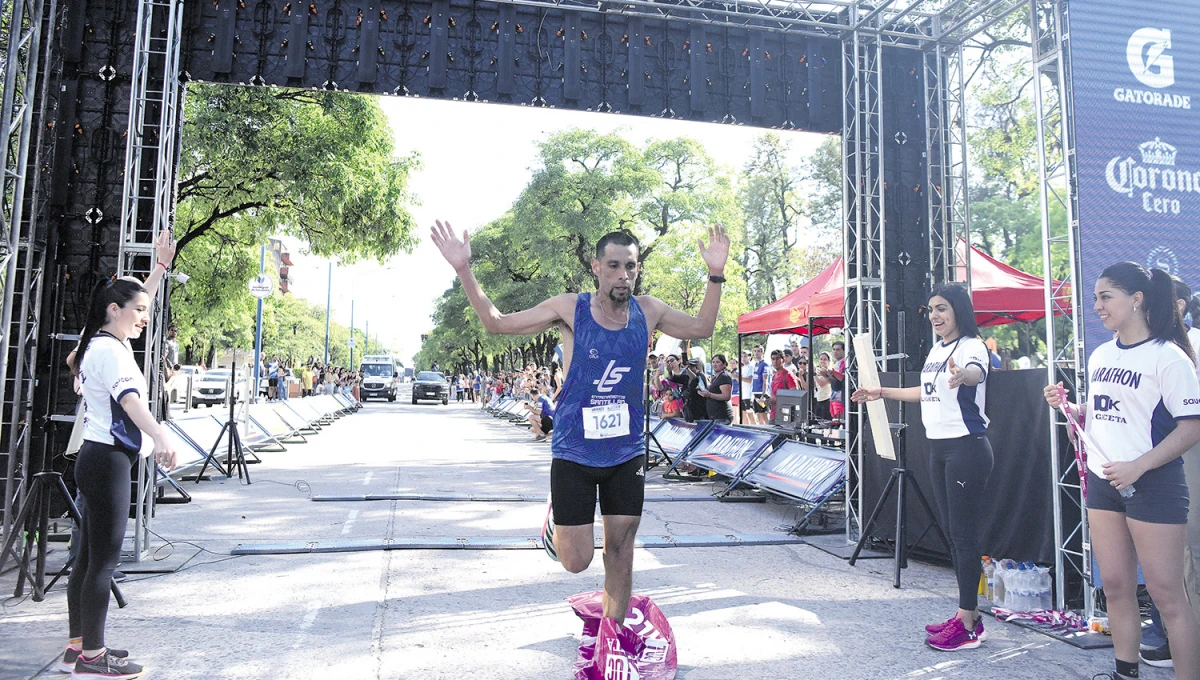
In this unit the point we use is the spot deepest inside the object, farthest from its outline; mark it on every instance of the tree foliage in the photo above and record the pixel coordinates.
(587, 184)
(256, 162)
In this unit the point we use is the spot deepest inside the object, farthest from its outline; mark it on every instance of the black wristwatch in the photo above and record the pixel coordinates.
(716, 279)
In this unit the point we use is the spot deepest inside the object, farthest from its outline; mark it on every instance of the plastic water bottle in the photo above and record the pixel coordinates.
(984, 563)
(1000, 584)
(1020, 590)
(989, 574)
(1045, 601)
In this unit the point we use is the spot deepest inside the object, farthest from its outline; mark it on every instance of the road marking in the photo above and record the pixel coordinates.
(367, 479)
(349, 522)
(310, 617)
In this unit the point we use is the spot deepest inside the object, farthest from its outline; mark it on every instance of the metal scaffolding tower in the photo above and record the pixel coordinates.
(23, 260)
(148, 198)
(1057, 175)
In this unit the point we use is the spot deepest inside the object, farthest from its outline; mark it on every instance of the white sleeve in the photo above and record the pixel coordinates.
(974, 353)
(115, 368)
(1180, 388)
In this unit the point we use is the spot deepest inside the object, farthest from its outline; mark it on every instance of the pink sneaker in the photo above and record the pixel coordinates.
(935, 628)
(953, 637)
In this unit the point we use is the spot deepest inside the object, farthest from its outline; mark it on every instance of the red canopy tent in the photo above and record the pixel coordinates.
(1001, 294)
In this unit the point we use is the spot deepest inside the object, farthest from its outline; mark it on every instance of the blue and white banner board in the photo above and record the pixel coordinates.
(1136, 96)
(727, 450)
(799, 470)
(675, 435)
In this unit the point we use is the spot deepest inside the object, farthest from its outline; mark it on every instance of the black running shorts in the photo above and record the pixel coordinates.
(1160, 496)
(547, 423)
(573, 490)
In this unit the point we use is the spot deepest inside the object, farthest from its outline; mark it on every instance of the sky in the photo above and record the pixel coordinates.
(475, 160)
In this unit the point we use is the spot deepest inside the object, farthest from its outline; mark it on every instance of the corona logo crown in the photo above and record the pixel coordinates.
(1158, 152)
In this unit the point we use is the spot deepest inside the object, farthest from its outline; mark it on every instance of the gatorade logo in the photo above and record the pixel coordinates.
(612, 376)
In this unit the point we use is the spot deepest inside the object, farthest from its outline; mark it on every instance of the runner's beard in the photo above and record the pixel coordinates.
(620, 299)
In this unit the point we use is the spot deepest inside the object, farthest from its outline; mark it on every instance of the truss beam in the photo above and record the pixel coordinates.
(1064, 326)
(23, 19)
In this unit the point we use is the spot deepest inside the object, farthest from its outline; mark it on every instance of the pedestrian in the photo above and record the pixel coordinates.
(306, 380)
(836, 375)
(118, 427)
(952, 395)
(1144, 408)
(694, 406)
(760, 378)
(781, 379)
(598, 443)
(541, 415)
(719, 393)
(824, 387)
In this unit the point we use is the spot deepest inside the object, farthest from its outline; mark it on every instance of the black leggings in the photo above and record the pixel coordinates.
(102, 474)
(960, 468)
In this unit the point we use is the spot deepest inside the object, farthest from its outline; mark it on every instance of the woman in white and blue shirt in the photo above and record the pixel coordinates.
(952, 395)
(1143, 410)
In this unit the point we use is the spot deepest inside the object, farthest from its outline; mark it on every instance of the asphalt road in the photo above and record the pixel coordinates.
(747, 612)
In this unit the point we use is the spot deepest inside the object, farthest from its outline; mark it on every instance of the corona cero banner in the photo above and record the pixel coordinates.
(1136, 83)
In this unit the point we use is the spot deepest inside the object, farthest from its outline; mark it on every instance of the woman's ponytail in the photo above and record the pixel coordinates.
(1162, 314)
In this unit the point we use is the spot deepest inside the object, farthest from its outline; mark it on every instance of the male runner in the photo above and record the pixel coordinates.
(598, 440)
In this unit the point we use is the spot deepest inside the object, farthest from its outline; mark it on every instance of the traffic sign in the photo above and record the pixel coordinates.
(351, 342)
(261, 286)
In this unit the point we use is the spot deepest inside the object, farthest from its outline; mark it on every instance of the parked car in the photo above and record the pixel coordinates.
(431, 385)
(177, 386)
(210, 388)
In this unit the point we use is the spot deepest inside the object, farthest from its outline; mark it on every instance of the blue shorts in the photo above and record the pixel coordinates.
(1160, 496)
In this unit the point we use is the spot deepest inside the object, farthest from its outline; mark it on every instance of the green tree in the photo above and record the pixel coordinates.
(256, 162)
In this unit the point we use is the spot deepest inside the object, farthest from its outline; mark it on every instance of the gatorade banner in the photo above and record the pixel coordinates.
(674, 435)
(1136, 93)
(727, 450)
(798, 470)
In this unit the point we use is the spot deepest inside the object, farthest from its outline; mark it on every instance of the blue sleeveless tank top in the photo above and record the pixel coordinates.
(600, 415)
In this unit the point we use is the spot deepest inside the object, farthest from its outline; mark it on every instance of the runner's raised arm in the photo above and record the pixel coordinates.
(527, 322)
(682, 325)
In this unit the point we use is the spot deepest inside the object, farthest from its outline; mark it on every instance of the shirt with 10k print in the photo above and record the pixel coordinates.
(952, 412)
(1135, 394)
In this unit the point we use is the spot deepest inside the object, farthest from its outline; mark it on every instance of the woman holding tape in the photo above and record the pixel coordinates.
(952, 395)
(1144, 410)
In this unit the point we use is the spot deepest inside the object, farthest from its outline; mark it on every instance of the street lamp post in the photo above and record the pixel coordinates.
(351, 332)
(328, 294)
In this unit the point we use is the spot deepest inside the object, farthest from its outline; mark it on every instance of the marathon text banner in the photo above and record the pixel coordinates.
(800, 470)
(673, 435)
(728, 450)
(1136, 84)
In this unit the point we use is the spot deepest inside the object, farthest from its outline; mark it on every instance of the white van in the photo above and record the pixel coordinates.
(380, 378)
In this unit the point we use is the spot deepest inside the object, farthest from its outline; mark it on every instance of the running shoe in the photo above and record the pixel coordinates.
(935, 628)
(953, 637)
(106, 666)
(1153, 636)
(1159, 657)
(548, 531)
(67, 663)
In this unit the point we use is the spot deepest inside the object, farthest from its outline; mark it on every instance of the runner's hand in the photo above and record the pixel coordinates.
(456, 252)
(717, 251)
